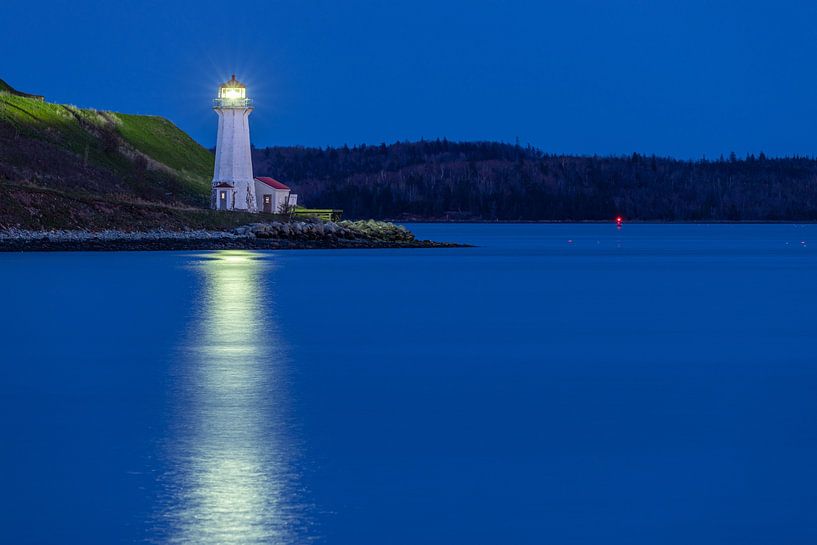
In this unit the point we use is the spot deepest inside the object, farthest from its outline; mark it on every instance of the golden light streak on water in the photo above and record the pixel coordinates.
(234, 479)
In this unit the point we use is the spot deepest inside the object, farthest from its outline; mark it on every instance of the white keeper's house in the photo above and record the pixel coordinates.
(273, 195)
(234, 186)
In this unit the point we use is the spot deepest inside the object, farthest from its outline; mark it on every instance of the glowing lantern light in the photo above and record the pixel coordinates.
(232, 94)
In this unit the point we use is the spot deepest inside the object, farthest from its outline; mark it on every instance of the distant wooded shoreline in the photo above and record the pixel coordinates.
(441, 180)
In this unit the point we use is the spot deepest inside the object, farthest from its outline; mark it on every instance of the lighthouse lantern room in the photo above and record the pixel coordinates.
(233, 185)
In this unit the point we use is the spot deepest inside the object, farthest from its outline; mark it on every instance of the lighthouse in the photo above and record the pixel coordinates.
(233, 183)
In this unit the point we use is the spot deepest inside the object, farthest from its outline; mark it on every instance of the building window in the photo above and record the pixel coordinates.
(267, 199)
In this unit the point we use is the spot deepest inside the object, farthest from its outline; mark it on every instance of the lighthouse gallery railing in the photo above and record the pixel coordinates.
(232, 103)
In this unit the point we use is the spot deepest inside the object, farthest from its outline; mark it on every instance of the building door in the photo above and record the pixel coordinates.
(222, 200)
(268, 203)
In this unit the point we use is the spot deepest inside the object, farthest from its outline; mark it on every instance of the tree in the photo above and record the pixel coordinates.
(489, 180)
(285, 208)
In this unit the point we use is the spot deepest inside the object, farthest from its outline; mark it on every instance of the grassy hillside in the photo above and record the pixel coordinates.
(85, 153)
(164, 142)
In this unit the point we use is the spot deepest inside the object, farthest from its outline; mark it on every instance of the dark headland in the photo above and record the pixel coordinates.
(82, 179)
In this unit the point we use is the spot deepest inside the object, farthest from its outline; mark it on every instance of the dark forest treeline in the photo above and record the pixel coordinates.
(489, 181)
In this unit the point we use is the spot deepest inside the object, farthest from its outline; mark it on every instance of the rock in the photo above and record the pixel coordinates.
(361, 232)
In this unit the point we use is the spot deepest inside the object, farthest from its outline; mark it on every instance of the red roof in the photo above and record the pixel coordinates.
(273, 183)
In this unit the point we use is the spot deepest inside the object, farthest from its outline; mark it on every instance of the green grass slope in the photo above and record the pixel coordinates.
(166, 143)
(89, 154)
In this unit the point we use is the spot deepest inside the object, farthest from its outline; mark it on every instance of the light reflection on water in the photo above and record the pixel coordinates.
(233, 479)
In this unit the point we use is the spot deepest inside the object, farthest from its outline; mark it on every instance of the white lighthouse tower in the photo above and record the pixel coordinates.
(233, 184)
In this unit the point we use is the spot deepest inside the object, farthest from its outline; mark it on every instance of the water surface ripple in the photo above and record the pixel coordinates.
(570, 384)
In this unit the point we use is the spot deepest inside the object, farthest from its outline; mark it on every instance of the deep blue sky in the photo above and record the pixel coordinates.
(680, 78)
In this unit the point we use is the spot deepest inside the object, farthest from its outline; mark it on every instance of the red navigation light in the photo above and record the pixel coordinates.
(619, 220)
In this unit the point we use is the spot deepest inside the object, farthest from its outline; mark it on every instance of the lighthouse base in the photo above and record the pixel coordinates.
(234, 195)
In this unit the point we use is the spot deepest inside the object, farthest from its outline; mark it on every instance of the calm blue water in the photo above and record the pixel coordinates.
(569, 384)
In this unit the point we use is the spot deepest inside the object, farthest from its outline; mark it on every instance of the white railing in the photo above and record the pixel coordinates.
(232, 103)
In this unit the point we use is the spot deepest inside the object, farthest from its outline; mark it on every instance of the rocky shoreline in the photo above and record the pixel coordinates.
(309, 234)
